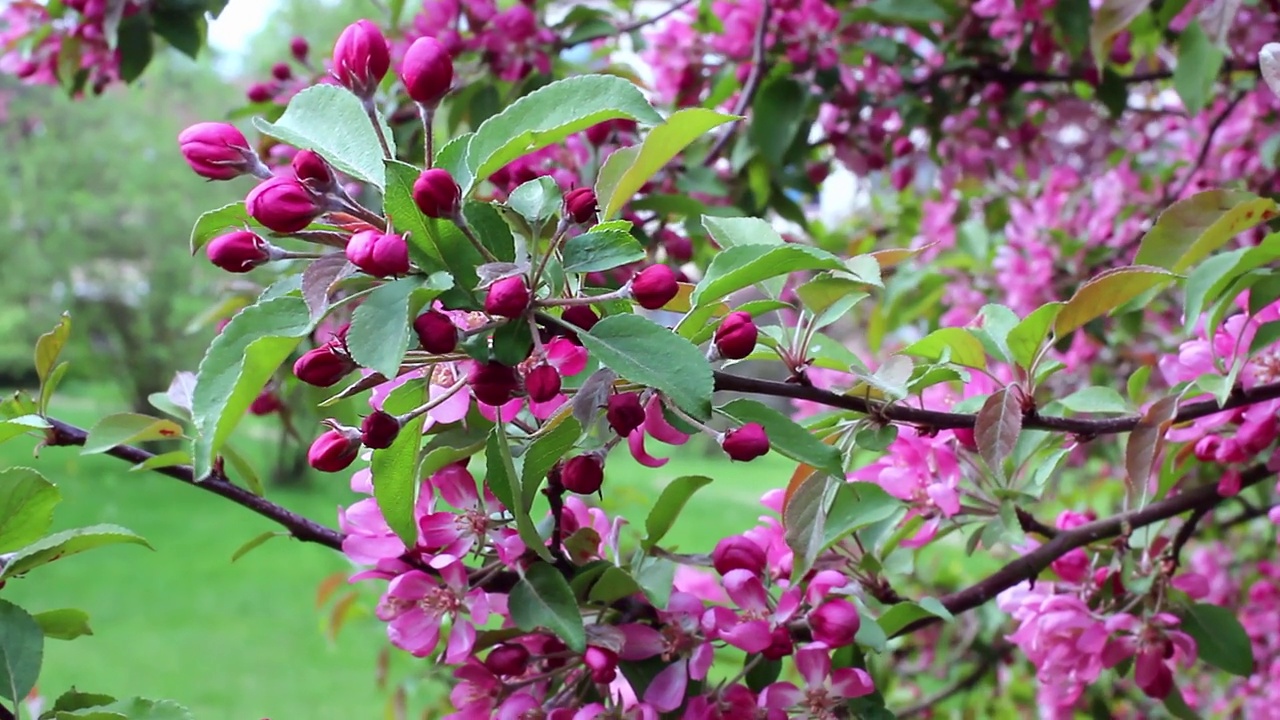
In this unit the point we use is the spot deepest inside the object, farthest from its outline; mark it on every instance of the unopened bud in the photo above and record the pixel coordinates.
(427, 71)
(581, 315)
(281, 71)
(654, 286)
(282, 204)
(299, 47)
(735, 338)
(835, 623)
(508, 297)
(582, 474)
(745, 443)
(379, 429)
(737, 552)
(542, 383)
(436, 332)
(624, 413)
(492, 383)
(379, 254)
(361, 58)
(238, 252)
(437, 194)
(217, 151)
(580, 205)
(334, 450)
(507, 659)
(312, 170)
(323, 366)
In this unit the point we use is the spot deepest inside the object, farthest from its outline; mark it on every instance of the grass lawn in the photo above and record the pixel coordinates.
(245, 640)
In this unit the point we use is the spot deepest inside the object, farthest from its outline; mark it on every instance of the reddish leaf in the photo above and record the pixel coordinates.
(1147, 439)
(997, 427)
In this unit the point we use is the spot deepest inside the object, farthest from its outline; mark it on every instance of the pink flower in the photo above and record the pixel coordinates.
(922, 470)
(567, 358)
(752, 627)
(451, 534)
(824, 690)
(681, 640)
(416, 604)
(1059, 634)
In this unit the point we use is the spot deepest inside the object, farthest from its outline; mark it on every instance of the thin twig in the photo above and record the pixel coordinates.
(990, 659)
(758, 68)
(1184, 534)
(625, 29)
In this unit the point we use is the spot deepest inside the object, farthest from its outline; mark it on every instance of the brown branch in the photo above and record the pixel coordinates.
(63, 434)
(758, 68)
(1030, 566)
(938, 420)
(1031, 524)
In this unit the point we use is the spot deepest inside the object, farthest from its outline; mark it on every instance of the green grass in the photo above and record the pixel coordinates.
(246, 640)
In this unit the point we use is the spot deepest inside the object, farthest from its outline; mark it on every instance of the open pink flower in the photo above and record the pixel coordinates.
(923, 471)
(451, 534)
(824, 690)
(752, 627)
(682, 641)
(416, 604)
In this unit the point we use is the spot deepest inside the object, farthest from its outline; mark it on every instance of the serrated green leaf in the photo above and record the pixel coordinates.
(395, 469)
(536, 200)
(1191, 229)
(543, 599)
(644, 352)
(21, 651)
(599, 250)
(959, 345)
(381, 327)
(27, 500)
(1220, 639)
(1106, 292)
(777, 115)
(544, 453)
(21, 425)
(128, 429)
(504, 482)
(331, 121)
(48, 348)
(904, 613)
(1029, 335)
(65, 543)
(1196, 72)
(739, 267)
(420, 233)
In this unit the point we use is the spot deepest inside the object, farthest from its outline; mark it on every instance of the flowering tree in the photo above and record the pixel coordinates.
(1048, 341)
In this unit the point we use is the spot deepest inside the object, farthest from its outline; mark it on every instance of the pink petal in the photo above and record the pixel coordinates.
(457, 486)
(781, 696)
(851, 683)
(666, 692)
(379, 394)
(544, 410)
(455, 576)
(635, 441)
(814, 666)
(700, 661)
(437, 530)
(369, 549)
(655, 423)
(451, 410)
(751, 636)
(746, 590)
(362, 481)
(412, 585)
(641, 641)
(566, 357)
(461, 639)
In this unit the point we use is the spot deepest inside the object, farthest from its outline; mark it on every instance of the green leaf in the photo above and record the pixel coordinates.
(332, 121)
(68, 542)
(1074, 18)
(48, 348)
(550, 114)
(613, 585)
(1177, 706)
(542, 599)
(381, 326)
(1220, 639)
(613, 169)
(544, 453)
(27, 500)
(183, 29)
(135, 45)
(903, 11)
(395, 469)
(1096, 399)
(1106, 292)
(244, 470)
(786, 436)
(601, 250)
(1193, 228)
(21, 651)
(128, 429)
(738, 267)
(656, 576)
(397, 203)
(777, 115)
(75, 700)
(64, 624)
(958, 345)
(1028, 336)
(1199, 61)
(536, 200)
(662, 144)
(504, 482)
(256, 542)
(163, 460)
(1147, 439)
(644, 352)
(904, 613)
(804, 520)
(825, 291)
(856, 506)
(131, 709)
(667, 508)
(216, 222)
(238, 364)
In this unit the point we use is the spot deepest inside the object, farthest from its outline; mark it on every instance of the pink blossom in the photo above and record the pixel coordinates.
(416, 604)
(824, 689)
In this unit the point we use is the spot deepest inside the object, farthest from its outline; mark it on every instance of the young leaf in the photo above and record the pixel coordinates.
(21, 425)
(21, 651)
(1147, 439)
(962, 346)
(256, 542)
(662, 144)
(395, 469)
(1096, 399)
(613, 585)
(543, 599)
(238, 364)
(997, 427)
(856, 505)
(1196, 71)
(644, 352)
(904, 613)
(215, 222)
(319, 278)
(135, 708)
(600, 250)
(804, 520)
(734, 231)
(64, 624)
(786, 436)
(656, 576)
(1220, 639)
(550, 114)
(1192, 228)
(332, 121)
(504, 482)
(27, 500)
(128, 429)
(664, 512)
(545, 452)
(1027, 337)
(48, 348)
(536, 200)
(1106, 292)
(381, 326)
(777, 114)
(68, 542)
(163, 460)
(738, 267)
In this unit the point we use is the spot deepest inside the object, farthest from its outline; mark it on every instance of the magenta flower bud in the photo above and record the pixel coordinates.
(437, 194)
(283, 204)
(508, 297)
(581, 315)
(299, 47)
(334, 450)
(508, 659)
(654, 286)
(379, 429)
(238, 252)
(835, 623)
(266, 403)
(781, 645)
(492, 383)
(582, 474)
(580, 205)
(735, 338)
(624, 413)
(745, 443)
(738, 552)
(379, 254)
(427, 71)
(260, 92)
(678, 247)
(361, 58)
(217, 151)
(436, 332)
(281, 71)
(542, 383)
(602, 662)
(966, 438)
(312, 170)
(323, 366)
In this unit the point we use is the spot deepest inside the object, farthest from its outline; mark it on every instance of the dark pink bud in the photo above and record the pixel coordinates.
(334, 450)
(678, 247)
(580, 205)
(217, 151)
(603, 664)
(582, 474)
(735, 338)
(624, 413)
(1151, 674)
(238, 252)
(966, 439)
(437, 194)
(379, 254)
(508, 659)
(492, 383)
(745, 443)
(323, 366)
(281, 71)
(542, 384)
(654, 286)
(902, 177)
(581, 315)
(361, 58)
(835, 623)
(902, 146)
(260, 92)
(266, 403)
(508, 297)
(379, 429)
(781, 645)
(427, 71)
(282, 204)
(436, 332)
(299, 47)
(312, 170)
(737, 552)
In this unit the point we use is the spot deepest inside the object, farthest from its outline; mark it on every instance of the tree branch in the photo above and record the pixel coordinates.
(938, 420)
(64, 434)
(625, 29)
(758, 69)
